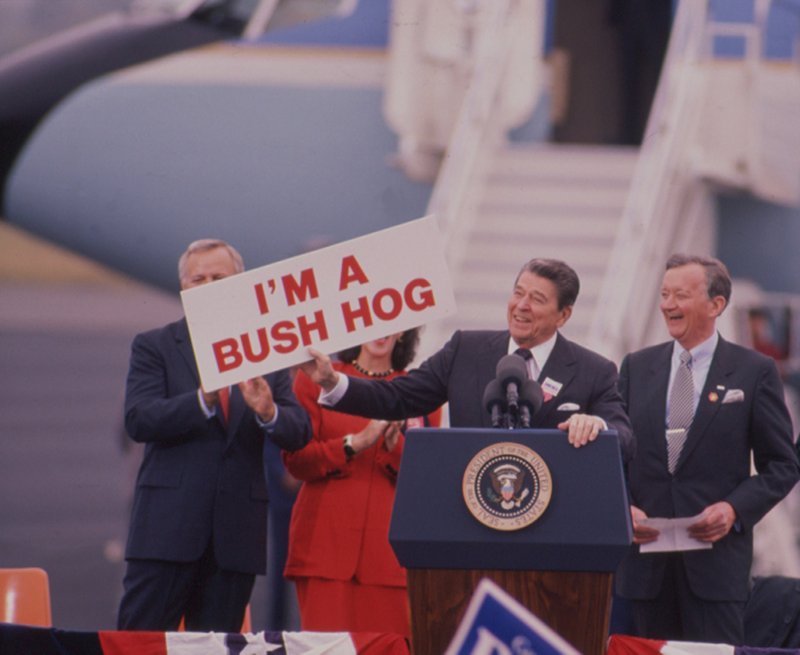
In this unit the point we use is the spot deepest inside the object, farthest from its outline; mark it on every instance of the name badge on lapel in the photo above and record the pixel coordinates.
(550, 389)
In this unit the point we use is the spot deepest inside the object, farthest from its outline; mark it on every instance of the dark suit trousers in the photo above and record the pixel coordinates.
(679, 614)
(158, 594)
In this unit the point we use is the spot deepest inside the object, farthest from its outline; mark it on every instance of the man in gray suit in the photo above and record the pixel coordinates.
(699, 407)
(580, 394)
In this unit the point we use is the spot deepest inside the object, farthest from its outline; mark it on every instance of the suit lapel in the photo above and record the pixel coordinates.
(721, 368)
(486, 366)
(496, 348)
(184, 345)
(656, 396)
(560, 368)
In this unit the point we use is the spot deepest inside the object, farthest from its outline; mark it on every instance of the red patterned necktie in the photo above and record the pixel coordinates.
(224, 402)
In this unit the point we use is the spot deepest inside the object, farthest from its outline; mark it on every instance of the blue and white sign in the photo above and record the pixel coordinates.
(497, 624)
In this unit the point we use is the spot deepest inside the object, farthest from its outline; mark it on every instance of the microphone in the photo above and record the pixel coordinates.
(494, 401)
(511, 372)
(530, 400)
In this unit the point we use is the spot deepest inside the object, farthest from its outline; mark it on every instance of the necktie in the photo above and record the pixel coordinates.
(224, 402)
(530, 362)
(681, 410)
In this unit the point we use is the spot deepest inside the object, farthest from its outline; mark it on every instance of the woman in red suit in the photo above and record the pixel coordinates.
(346, 574)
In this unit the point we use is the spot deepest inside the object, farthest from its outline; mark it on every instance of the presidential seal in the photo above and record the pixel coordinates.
(507, 486)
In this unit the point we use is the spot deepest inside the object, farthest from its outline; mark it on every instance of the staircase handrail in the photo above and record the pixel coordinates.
(648, 232)
(476, 123)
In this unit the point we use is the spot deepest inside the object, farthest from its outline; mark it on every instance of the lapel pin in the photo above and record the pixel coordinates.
(713, 396)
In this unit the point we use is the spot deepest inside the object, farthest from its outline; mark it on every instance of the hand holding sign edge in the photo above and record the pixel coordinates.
(320, 369)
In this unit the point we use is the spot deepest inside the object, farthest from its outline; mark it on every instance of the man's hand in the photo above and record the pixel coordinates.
(582, 428)
(715, 522)
(211, 398)
(320, 369)
(258, 397)
(642, 534)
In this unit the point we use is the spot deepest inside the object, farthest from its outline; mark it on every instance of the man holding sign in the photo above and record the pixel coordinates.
(198, 527)
(579, 386)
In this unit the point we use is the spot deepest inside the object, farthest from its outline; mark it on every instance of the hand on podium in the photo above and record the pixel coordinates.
(582, 428)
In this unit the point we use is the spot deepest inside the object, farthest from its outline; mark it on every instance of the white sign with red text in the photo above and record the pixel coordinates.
(334, 298)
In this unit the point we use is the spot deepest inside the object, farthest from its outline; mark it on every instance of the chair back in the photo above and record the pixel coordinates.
(25, 597)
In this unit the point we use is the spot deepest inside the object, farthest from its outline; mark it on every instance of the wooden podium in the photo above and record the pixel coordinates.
(560, 566)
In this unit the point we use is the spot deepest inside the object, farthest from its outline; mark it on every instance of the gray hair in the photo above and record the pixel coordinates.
(204, 245)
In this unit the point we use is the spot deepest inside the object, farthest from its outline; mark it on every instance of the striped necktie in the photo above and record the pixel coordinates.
(681, 410)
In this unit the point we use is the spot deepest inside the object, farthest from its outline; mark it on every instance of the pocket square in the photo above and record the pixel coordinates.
(568, 407)
(733, 396)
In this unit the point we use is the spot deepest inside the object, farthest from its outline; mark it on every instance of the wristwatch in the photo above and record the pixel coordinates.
(349, 451)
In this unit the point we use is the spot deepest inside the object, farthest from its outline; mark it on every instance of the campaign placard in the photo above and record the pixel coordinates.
(497, 624)
(333, 298)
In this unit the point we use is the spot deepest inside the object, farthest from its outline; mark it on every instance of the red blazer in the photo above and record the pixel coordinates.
(340, 520)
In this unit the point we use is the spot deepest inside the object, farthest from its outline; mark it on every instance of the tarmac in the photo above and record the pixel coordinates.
(66, 469)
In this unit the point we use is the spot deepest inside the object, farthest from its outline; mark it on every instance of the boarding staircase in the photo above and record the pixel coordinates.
(501, 203)
(538, 200)
(614, 214)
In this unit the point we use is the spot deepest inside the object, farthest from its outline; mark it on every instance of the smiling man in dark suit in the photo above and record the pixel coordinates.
(699, 407)
(198, 526)
(579, 385)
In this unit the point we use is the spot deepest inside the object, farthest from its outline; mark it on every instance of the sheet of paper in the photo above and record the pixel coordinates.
(673, 535)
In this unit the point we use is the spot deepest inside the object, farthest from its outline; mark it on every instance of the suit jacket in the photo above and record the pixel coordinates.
(460, 371)
(199, 479)
(714, 464)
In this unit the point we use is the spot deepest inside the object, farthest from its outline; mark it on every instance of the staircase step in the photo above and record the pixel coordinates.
(553, 201)
(596, 163)
(577, 254)
(573, 197)
(504, 227)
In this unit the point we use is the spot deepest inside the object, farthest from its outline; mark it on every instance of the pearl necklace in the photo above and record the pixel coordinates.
(371, 374)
